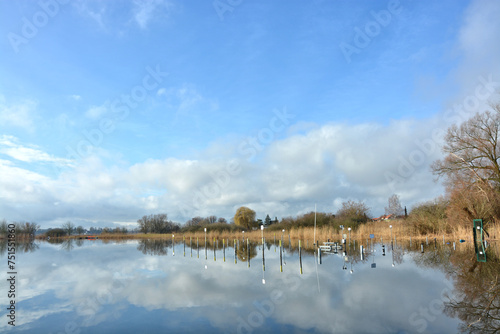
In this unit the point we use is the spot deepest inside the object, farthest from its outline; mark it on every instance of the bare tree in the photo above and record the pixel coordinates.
(211, 219)
(222, 220)
(68, 227)
(473, 149)
(471, 166)
(80, 230)
(394, 206)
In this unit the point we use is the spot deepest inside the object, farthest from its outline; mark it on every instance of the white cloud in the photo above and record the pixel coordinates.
(145, 11)
(325, 165)
(9, 146)
(96, 112)
(19, 115)
(478, 47)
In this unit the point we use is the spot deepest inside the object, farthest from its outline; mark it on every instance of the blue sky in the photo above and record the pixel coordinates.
(112, 110)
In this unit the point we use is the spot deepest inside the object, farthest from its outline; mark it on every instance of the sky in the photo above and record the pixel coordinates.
(114, 110)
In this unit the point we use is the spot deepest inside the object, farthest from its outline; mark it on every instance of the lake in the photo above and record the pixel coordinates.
(151, 286)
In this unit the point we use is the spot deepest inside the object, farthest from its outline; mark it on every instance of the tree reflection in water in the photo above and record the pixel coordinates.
(22, 246)
(477, 301)
(153, 247)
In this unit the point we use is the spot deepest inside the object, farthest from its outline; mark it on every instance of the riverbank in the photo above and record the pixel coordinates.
(396, 229)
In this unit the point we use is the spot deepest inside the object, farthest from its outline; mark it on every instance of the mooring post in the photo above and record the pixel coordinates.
(281, 259)
(427, 241)
(362, 255)
(319, 255)
(422, 247)
(235, 255)
(214, 248)
(224, 249)
(454, 247)
(263, 259)
(300, 258)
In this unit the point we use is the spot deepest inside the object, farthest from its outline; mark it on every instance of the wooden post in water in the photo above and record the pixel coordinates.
(319, 255)
(214, 248)
(224, 249)
(362, 255)
(454, 247)
(248, 252)
(281, 259)
(300, 258)
(263, 259)
(427, 241)
(235, 255)
(422, 247)
(173, 246)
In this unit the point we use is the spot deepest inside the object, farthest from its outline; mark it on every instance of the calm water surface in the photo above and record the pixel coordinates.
(148, 286)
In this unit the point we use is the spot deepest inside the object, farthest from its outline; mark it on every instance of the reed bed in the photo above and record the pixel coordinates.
(381, 230)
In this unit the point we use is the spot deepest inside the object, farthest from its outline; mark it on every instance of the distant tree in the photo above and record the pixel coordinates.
(94, 230)
(356, 212)
(56, 232)
(80, 230)
(30, 228)
(244, 217)
(3, 227)
(267, 221)
(195, 221)
(211, 219)
(157, 224)
(68, 227)
(394, 207)
(222, 220)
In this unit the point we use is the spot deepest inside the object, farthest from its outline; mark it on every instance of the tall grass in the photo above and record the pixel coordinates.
(401, 230)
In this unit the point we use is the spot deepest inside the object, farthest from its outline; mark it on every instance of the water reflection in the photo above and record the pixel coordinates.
(113, 287)
(22, 246)
(477, 302)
